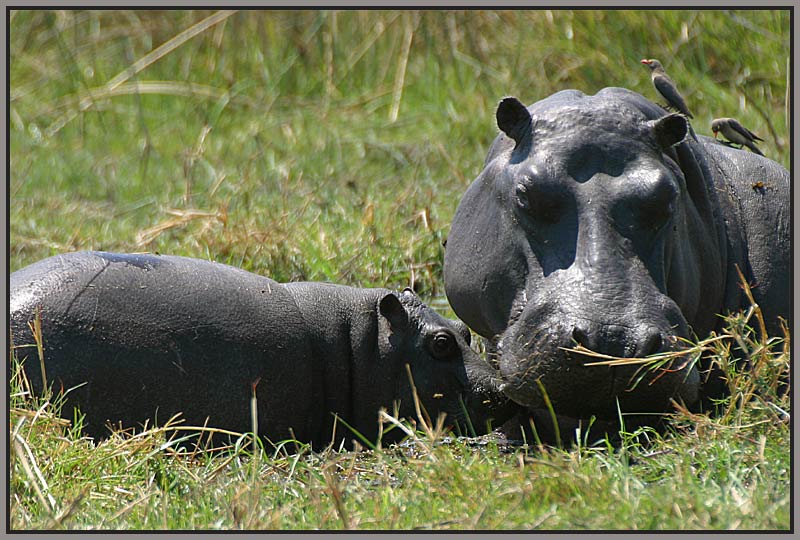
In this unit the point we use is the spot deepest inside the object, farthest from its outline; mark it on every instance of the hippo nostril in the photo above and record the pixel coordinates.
(580, 336)
(653, 344)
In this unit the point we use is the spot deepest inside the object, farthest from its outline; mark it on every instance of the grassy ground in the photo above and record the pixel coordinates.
(335, 146)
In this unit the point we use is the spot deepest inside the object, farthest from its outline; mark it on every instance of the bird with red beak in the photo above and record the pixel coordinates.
(666, 87)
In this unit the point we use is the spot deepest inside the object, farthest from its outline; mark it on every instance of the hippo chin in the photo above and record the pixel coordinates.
(138, 338)
(602, 221)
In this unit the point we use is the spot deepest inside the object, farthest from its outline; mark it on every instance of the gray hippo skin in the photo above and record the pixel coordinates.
(597, 221)
(152, 335)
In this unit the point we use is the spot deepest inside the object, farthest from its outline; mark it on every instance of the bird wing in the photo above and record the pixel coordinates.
(743, 131)
(667, 88)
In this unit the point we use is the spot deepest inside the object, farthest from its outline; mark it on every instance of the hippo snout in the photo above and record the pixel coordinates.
(549, 360)
(621, 341)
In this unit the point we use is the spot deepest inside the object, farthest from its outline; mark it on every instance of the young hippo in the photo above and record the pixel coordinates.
(136, 337)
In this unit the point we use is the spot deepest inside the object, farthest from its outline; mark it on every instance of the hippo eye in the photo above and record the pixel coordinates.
(648, 208)
(443, 345)
(542, 202)
(657, 207)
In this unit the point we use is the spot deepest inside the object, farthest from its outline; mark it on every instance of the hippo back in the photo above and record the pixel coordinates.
(130, 331)
(756, 192)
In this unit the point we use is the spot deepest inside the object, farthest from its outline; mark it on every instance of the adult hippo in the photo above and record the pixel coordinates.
(143, 337)
(597, 221)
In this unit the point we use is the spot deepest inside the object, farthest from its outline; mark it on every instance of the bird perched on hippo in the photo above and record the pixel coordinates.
(666, 87)
(138, 338)
(596, 222)
(735, 132)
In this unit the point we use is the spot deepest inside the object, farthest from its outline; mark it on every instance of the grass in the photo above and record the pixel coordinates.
(335, 146)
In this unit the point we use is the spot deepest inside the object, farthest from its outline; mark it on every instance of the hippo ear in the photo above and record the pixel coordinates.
(409, 291)
(670, 129)
(513, 119)
(394, 311)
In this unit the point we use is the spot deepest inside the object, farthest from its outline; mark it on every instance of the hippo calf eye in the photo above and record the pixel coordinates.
(443, 345)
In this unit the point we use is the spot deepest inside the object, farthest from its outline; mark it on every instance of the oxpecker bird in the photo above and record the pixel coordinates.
(735, 132)
(666, 86)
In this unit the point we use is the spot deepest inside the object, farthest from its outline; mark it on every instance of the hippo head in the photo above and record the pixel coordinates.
(584, 229)
(448, 375)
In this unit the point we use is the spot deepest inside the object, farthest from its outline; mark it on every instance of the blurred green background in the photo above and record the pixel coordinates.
(326, 145)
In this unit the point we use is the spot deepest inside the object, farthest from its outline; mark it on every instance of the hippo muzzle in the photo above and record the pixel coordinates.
(539, 353)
